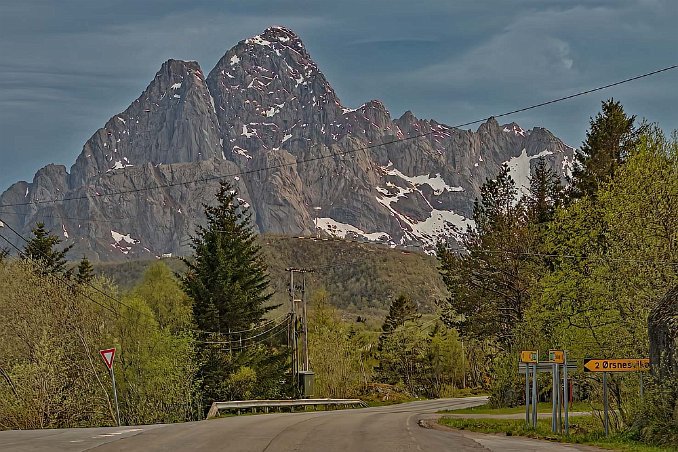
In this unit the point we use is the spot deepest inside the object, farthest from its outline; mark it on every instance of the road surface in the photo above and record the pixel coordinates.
(393, 429)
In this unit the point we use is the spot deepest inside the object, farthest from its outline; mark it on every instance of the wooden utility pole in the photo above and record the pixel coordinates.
(299, 324)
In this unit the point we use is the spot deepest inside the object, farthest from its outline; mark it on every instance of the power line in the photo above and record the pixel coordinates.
(94, 287)
(248, 340)
(88, 220)
(342, 153)
(64, 280)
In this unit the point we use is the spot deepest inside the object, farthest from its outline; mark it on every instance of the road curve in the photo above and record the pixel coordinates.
(393, 429)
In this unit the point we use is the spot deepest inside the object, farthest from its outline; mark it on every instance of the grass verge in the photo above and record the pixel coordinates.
(543, 407)
(583, 430)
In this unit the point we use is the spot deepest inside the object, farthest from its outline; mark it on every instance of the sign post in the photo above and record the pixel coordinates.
(108, 356)
(605, 408)
(535, 401)
(527, 395)
(614, 365)
(566, 395)
(556, 358)
(530, 357)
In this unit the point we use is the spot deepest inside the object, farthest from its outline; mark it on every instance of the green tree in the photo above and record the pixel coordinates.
(545, 193)
(85, 272)
(4, 253)
(489, 282)
(227, 277)
(229, 285)
(610, 139)
(162, 292)
(400, 311)
(339, 355)
(41, 249)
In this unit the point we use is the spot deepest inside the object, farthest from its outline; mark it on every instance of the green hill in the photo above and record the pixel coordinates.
(360, 277)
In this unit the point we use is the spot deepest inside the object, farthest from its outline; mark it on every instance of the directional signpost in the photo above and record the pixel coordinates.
(614, 365)
(108, 355)
(528, 357)
(557, 360)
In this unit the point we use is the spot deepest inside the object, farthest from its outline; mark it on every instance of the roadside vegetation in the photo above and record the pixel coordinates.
(576, 268)
(583, 430)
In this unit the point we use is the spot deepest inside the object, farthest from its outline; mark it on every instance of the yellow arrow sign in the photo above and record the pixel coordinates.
(616, 365)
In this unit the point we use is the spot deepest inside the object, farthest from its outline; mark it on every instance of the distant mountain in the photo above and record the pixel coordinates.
(267, 105)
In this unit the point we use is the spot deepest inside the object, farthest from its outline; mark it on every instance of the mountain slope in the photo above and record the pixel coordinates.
(267, 120)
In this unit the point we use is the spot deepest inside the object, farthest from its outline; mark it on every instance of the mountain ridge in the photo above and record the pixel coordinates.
(306, 164)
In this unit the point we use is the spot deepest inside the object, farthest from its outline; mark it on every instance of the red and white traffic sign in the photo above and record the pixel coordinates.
(108, 356)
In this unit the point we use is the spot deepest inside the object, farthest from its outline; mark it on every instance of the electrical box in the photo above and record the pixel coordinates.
(306, 384)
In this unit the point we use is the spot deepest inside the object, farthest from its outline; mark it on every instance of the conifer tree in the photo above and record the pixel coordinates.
(229, 285)
(489, 282)
(85, 272)
(611, 137)
(545, 193)
(41, 249)
(227, 276)
(496, 207)
(401, 310)
(4, 252)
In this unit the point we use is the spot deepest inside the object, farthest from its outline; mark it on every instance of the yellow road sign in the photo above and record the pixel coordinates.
(616, 365)
(529, 356)
(557, 356)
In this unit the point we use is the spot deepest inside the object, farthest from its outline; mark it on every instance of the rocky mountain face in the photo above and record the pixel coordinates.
(266, 120)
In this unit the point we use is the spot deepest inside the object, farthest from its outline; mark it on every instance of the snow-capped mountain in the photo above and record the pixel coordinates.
(268, 121)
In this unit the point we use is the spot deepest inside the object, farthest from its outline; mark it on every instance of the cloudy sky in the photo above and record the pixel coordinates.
(69, 65)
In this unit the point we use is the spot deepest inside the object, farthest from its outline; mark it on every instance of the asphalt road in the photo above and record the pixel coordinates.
(392, 429)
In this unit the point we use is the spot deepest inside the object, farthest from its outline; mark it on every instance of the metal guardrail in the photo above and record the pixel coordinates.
(267, 404)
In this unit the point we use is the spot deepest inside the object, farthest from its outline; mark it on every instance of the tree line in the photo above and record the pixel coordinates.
(576, 265)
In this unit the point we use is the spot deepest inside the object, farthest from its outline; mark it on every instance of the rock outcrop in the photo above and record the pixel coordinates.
(663, 333)
(267, 120)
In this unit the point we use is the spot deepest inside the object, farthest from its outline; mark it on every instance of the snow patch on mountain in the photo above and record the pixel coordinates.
(343, 230)
(520, 169)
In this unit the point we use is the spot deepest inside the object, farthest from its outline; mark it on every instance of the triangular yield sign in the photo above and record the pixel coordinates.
(108, 356)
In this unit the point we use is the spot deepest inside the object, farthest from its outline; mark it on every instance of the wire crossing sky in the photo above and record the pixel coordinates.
(218, 177)
(69, 66)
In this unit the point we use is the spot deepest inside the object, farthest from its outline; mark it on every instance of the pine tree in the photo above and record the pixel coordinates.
(85, 272)
(227, 278)
(610, 139)
(402, 309)
(545, 193)
(229, 285)
(40, 248)
(497, 204)
(489, 282)
(4, 252)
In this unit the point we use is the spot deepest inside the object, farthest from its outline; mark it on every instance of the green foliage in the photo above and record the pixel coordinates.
(339, 354)
(506, 390)
(85, 273)
(229, 285)
(51, 374)
(40, 248)
(545, 193)
(158, 367)
(227, 276)
(489, 284)
(657, 420)
(402, 310)
(610, 140)
(426, 364)
(164, 295)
